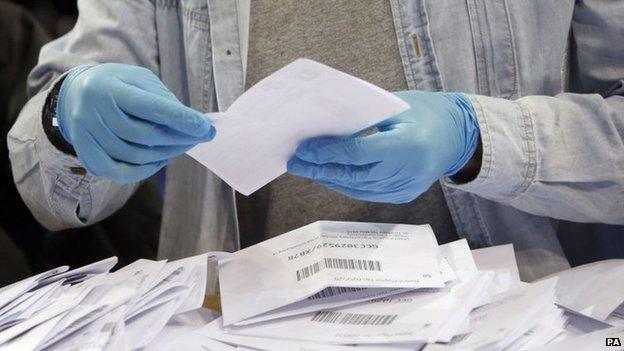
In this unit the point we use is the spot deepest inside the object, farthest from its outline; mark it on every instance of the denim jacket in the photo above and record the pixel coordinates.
(546, 79)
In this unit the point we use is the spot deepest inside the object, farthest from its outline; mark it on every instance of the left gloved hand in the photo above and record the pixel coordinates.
(436, 137)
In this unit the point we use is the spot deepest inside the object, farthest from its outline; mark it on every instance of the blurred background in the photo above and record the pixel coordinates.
(27, 248)
(56, 16)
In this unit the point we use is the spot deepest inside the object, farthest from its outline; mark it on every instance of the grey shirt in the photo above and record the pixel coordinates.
(356, 37)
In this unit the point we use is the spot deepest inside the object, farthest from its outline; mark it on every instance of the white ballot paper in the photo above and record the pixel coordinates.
(417, 316)
(499, 258)
(507, 317)
(594, 290)
(300, 263)
(89, 308)
(610, 339)
(260, 131)
(334, 297)
(411, 317)
(214, 330)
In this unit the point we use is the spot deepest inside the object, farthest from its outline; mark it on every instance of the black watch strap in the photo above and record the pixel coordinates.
(49, 116)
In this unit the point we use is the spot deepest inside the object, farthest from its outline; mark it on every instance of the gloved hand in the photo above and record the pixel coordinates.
(124, 123)
(436, 137)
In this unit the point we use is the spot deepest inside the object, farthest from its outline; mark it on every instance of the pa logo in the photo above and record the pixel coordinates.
(613, 342)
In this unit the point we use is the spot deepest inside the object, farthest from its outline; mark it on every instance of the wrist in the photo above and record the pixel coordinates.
(50, 121)
(59, 110)
(466, 120)
(471, 170)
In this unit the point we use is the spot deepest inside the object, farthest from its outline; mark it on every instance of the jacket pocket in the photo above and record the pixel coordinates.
(197, 48)
(494, 48)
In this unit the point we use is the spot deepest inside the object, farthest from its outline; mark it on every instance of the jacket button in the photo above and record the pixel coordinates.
(78, 170)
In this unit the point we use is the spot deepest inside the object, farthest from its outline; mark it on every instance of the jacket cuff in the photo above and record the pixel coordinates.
(509, 159)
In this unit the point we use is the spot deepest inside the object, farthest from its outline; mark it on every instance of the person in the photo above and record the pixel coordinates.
(533, 142)
(25, 246)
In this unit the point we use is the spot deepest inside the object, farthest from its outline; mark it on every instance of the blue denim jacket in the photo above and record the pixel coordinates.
(546, 79)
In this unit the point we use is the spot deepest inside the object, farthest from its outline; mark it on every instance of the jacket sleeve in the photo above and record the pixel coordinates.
(563, 156)
(58, 191)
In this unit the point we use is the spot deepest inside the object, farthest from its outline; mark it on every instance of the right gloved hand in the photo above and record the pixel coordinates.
(124, 123)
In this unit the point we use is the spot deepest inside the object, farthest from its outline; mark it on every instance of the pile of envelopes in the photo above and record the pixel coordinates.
(326, 286)
(367, 286)
(91, 309)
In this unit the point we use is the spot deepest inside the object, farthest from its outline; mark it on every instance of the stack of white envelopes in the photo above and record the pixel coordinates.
(90, 308)
(328, 286)
(370, 286)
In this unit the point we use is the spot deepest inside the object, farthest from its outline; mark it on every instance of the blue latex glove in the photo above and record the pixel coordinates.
(436, 137)
(124, 123)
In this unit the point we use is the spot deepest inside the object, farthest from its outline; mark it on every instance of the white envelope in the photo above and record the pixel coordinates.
(214, 330)
(593, 290)
(508, 316)
(425, 315)
(411, 317)
(331, 297)
(300, 263)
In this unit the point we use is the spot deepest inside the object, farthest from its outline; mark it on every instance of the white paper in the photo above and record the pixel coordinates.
(300, 263)
(412, 317)
(499, 258)
(594, 290)
(180, 326)
(214, 331)
(337, 297)
(261, 130)
(13, 291)
(89, 308)
(64, 303)
(103, 334)
(417, 316)
(143, 328)
(27, 305)
(32, 338)
(334, 297)
(460, 259)
(510, 315)
(595, 341)
(79, 274)
(100, 301)
(577, 324)
(549, 327)
(196, 342)
(140, 275)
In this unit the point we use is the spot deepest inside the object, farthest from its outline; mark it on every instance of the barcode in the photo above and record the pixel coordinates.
(338, 263)
(353, 318)
(308, 271)
(332, 291)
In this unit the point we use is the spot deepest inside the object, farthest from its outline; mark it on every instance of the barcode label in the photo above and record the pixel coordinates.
(338, 263)
(333, 291)
(353, 318)
(308, 271)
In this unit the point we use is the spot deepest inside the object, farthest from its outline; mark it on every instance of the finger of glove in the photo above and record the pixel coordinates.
(142, 78)
(343, 174)
(143, 132)
(348, 151)
(121, 150)
(98, 162)
(154, 108)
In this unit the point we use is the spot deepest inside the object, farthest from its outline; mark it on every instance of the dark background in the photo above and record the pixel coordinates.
(26, 247)
(56, 16)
